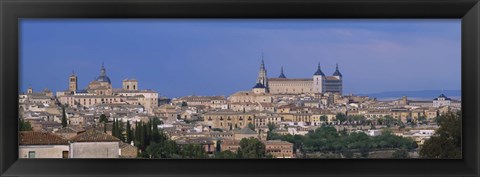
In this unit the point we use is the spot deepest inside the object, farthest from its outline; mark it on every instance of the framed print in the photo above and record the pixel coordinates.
(239, 88)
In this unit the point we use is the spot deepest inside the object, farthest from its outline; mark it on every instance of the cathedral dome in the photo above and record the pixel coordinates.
(103, 79)
(103, 76)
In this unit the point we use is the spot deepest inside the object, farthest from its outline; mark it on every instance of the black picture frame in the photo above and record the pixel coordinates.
(13, 10)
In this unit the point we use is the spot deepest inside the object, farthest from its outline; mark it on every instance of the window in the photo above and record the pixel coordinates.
(31, 154)
(64, 154)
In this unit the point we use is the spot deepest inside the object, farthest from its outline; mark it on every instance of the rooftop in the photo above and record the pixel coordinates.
(94, 136)
(245, 130)
(40, 138)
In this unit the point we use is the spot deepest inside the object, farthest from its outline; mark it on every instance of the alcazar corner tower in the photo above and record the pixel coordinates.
(318, 83)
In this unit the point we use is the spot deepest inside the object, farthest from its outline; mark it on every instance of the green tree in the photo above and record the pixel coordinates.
(400, 154)
(193, 151)
(114, 128)
(251, 126)
(155, 132)
(129, 132)
(121, 130)
(438, 119)
(389, 121)
(24, 125)
(271, 126)
(422, 120)
(64, 117)
(103, 118)
(136, 134)
(166, 149)
(251, 148)
(323, 118)
(143, 135)
(226, 155)
(326, 139)
(381, 121)
(447, 141)
(341, 117)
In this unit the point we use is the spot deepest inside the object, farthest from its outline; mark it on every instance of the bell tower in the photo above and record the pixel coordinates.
(318, 81)
(262, 76)
(73, 85)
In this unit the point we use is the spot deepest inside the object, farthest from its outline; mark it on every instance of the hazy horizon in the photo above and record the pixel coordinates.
(220, 57)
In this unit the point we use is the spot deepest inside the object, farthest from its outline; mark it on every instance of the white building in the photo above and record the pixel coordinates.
(442, 100)
(42, 145)
(94, 144)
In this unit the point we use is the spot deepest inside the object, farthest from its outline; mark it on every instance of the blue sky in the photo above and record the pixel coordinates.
(178, 57)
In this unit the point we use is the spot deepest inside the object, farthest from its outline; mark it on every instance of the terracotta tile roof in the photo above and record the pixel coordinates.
(40, 138)
(66, 130)
(94, 136)
(245, 130)
(230, 142)
(70, 130)
(277, 142)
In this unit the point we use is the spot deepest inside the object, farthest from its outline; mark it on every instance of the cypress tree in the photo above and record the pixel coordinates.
(117, 130)
(137, 134)
(129, 132)
(64, 117)
(155, 132)
(114, 131)
(142, 135)
(148, 132)
(121, 129)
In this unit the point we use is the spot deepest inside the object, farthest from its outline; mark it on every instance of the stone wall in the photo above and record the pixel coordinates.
(94, 150)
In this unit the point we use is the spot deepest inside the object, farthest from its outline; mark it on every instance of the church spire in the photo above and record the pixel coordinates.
(319, 71)
(102, 70)
(262, 65)
(337, 72)
(281, 74)
(262, 75)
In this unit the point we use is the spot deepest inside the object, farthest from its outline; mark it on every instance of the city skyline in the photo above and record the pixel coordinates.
(195, 55)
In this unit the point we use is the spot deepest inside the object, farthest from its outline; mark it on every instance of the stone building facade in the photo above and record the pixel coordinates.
(318, 83)
(279, 149)
(100, 91)
(42, 145)
(228, 119)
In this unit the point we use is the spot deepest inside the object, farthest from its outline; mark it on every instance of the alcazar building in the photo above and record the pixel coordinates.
(318, 83)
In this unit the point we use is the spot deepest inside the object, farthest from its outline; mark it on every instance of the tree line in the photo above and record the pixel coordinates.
(447, 140)
(327, 139)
